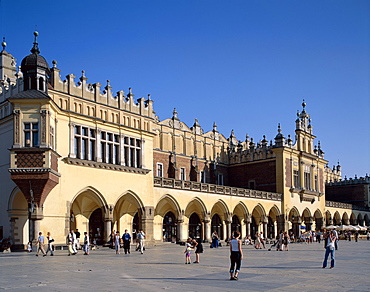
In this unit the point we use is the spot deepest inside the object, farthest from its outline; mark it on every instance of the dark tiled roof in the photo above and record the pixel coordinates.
(33, 60)
(30, 94)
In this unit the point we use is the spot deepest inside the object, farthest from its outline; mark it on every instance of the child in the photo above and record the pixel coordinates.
(187, 250)
(29, 247)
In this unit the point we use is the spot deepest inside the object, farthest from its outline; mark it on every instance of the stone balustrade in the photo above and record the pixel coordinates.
(214, 189)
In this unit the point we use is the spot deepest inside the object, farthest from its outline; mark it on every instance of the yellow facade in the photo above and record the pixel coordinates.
(74, 157)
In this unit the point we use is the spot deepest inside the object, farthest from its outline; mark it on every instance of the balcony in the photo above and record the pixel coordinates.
(214, 189)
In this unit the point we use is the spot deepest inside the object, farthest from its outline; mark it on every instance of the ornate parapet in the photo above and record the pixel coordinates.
(101, 165)
(341, 205)
(215, 189)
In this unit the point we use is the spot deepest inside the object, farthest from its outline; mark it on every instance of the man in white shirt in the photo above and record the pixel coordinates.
(40, 245)
(140, 238)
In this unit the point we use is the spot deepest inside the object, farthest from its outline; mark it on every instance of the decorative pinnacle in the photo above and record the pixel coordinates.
(174, 113)
(35, 48)
(304, 106)
(279, 129)
(3, 44)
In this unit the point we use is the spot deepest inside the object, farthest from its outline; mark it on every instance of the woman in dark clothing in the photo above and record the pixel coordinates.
(198, 250)
(236, 255)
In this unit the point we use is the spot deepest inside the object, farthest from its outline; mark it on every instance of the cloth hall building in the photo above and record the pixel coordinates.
(75, 155)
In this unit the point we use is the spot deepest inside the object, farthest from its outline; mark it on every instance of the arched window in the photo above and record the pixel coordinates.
(41, 83)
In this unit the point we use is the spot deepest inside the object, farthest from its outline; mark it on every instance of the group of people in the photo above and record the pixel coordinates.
(125, 241)
(197, 246)
(330, 239)
(41, 245)
(74, 244)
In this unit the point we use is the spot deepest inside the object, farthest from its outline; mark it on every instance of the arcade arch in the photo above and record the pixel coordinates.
(166, 215)
(21, 229)
(220, 219)
(194, 218)
(87, 212)
(319, 220)
(127, 213)
(272, 222)
(258, 219)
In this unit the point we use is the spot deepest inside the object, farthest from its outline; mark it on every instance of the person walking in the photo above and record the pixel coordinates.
(140, 238)
(40, 245)
(198, 250)
(286, 241)
(126, 237)
(117, 241)
(71, 238)
(330, 249)
(236, 255)
(78, 235)
(215, 239)
(86, 244)
(50, 244)
(262, 239)
(257, 242)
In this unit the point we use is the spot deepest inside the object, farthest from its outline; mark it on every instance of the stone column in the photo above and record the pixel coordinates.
(248, 221)
(228, 222)
(308, 222)
(107, 230)
(297, 227)
(264, 225)
(280, 223)
(35, 223)
(180, 226)
(147, 222)
(224, 230)
(207, 228)
(13, 233)
(71, 140)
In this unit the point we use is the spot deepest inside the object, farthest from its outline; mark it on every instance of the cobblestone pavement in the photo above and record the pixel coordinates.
(162, 268)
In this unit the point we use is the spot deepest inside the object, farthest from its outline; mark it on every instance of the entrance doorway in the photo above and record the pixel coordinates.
(235, 225)
(169, 227)
(135, 225)
(195, 227)
(96, 226)
(216, 225)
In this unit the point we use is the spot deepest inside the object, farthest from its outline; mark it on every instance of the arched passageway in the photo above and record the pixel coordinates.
(195, 226)
(88, 213)
(169, 227)
(235, 225)
(216, 225)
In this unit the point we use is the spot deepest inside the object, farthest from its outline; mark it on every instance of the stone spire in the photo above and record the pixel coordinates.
(279, 138)
(8, 69)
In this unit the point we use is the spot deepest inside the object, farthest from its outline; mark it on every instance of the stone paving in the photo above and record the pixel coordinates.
(162, 268)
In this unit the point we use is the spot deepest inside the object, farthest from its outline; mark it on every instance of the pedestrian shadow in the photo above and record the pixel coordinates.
(286, 267)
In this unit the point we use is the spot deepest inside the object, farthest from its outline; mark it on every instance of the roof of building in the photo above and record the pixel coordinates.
(30, 94)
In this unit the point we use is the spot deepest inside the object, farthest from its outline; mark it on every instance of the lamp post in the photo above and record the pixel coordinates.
(31, 210)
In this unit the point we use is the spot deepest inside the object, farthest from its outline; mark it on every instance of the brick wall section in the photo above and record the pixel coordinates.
(54, 162)
(263, 173)
(352, 194)
(189, 165)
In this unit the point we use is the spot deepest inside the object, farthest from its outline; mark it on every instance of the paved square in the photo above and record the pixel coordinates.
(162, 268)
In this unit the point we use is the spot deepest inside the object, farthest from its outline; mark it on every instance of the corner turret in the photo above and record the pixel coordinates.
(35, 69)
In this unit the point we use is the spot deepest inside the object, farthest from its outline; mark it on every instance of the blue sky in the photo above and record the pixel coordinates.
(245, 65)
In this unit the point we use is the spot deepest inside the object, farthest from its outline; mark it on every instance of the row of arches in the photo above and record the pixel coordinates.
(170, 220)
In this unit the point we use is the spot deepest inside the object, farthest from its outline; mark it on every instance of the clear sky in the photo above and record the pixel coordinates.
(245, 65)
